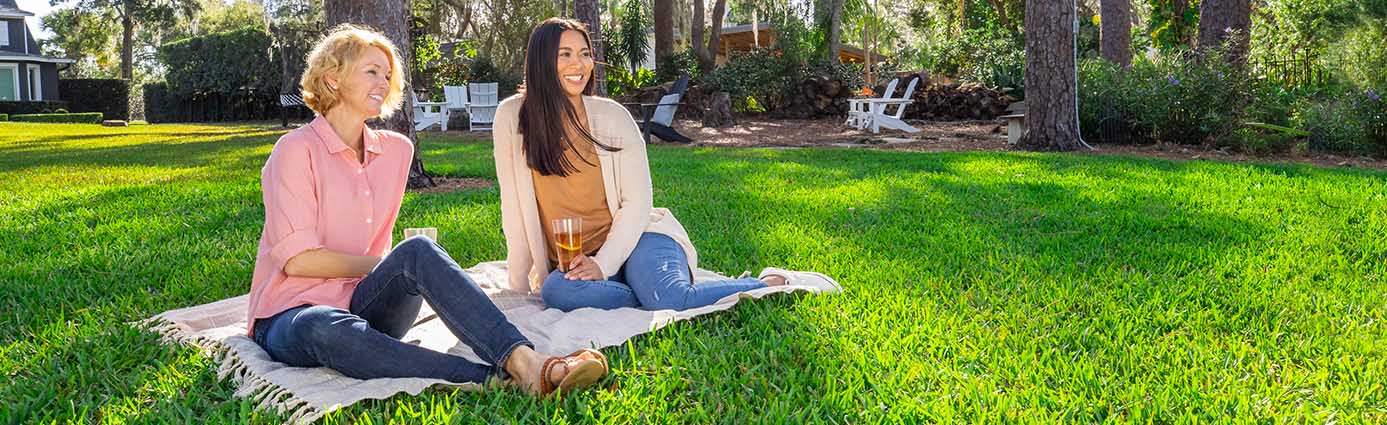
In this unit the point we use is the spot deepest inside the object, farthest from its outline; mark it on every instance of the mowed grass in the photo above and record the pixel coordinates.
(981, 287)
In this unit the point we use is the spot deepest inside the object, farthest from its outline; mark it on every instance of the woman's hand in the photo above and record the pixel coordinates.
(583, 268)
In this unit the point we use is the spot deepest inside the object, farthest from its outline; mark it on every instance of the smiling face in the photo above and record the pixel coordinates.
(364, 88)
(574, 63)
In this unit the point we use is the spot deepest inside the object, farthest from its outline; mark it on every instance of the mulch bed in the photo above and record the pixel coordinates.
(450, 184)
(961, 136)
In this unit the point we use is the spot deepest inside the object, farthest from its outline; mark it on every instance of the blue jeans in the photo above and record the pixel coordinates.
(655, 277)
(364, 342)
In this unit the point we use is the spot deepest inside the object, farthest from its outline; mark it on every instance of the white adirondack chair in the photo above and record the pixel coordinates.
(858, 111)
(481, 108)
(456, 97)
(426, 114)
(871, 112)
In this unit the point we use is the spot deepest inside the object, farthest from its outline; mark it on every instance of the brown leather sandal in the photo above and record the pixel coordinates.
(585, 367)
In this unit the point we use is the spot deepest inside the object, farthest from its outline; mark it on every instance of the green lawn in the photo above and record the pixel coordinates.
(981, 287)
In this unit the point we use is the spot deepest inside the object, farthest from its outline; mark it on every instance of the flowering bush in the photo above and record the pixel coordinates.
(1353, 122)
(1179, 99)
(1174, 99)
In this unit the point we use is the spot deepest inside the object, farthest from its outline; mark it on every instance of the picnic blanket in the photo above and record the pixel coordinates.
(306, 394)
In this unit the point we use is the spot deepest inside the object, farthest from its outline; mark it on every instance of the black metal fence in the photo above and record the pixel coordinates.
(241, 105)
(1291, 71)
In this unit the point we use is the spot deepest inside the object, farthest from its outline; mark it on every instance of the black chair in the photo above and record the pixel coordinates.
(658, 118)
(287, 101)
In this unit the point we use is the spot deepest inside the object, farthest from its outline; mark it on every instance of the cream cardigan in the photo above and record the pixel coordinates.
(625, 175)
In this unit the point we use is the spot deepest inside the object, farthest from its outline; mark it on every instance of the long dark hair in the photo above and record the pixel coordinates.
(545, 109)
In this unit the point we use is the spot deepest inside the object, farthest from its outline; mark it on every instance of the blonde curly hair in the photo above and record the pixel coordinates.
(336, 54)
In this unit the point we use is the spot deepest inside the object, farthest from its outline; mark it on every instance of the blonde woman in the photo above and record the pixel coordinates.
(562, 153)
(325, 292)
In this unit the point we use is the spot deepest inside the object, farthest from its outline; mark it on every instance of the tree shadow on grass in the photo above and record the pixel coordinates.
(973, 294)
(86, 266)
(166, 153)
(939, 269)
(936, 267)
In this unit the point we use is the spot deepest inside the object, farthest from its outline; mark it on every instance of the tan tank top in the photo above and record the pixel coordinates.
(580, 194)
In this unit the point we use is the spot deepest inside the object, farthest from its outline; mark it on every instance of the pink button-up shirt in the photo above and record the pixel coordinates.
(317, 195)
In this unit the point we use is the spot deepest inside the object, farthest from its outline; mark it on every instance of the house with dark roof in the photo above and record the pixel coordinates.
(25, 75)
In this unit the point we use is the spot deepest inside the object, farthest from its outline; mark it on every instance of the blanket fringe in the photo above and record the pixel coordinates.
(265, 394)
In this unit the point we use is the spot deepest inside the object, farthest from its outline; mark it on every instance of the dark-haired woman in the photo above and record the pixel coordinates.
(563, 153)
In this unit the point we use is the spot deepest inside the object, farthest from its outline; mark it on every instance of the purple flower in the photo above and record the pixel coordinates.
(1173, 81)
(1373, 95)
(1220, 75)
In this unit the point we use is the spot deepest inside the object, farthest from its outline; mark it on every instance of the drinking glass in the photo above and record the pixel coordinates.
(568, 235)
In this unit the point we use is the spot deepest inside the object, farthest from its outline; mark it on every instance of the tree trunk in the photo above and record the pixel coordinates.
(1052, 115)
(755, 29)
(1116, 33)
(1225, 21)
(707, 53)
(835, 29)
(867, 58)
(696, 40)
(962, 16)
(127, 43)
(682, 24)
(392, 19)
(1001, 8)
(1182, 33)
(719, 113)
(664, 31)
(586, 11)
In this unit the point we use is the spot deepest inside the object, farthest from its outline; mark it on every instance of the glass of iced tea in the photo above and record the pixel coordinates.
(568, 235)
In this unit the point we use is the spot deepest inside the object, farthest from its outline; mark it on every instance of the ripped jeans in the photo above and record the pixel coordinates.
(655, 277)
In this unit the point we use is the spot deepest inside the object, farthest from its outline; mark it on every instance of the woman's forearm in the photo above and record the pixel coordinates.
(323, 263)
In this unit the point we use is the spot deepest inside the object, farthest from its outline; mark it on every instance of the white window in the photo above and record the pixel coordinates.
(4, 33)
(35, 83)
(9, 81)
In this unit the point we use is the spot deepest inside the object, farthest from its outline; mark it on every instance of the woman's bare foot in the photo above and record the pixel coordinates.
(524, 366)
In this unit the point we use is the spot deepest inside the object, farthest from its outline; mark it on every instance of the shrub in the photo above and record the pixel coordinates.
(483, 70)
(1181, 100)
(1261, 138)
(222, 62)
(80, 118)
(111, 97)
(1102, 100)
(231, 75)
(759, 74)
(674, 65)
(4, 117)
(1352, 122)
(621, 81)
(986, 55)
(849, 74)
(1360, 58)
(42, 107)
(159, 105)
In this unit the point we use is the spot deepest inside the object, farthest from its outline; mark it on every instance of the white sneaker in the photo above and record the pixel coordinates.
(820, 282)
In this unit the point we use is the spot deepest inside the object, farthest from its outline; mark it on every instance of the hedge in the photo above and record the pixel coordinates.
(111, 97)
(44, 107)
(4, 117)
(80, 118)
(225, 76)
(224, 62)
